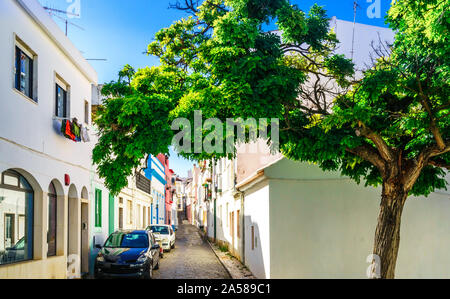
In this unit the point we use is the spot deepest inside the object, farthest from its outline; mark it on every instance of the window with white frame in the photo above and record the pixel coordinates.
(61, 98)
(86, 112)
(24, 70)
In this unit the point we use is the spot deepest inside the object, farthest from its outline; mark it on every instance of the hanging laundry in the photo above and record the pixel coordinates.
(67, 130)
(63, 128)
(76, 131)
(85, 135)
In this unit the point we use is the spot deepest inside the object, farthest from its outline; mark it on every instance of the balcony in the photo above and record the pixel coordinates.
(143, 183)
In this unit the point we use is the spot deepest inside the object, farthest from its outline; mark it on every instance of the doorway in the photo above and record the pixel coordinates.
(84, 237)
(120, 218)
(232, 230)
(73, 238)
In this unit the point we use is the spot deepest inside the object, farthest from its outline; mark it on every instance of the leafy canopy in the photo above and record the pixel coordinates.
(220, 60)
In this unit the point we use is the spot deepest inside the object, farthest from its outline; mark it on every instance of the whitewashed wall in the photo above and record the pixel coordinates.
(323, 226)
(28, 140)
(257, 214)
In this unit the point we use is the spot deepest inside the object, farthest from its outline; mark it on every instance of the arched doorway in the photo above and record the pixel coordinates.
(84, 217)
(73, 234)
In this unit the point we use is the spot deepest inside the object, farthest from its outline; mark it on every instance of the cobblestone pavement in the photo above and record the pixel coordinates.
(234, 266)
(192, 258)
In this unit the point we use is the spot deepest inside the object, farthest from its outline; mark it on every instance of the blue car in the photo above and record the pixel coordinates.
(133, 253)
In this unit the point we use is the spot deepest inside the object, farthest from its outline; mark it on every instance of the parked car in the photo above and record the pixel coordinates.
(14, 253)
(128, 254)
(165, 233)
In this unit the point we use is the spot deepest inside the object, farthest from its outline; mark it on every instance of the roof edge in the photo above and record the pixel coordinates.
(46, 23)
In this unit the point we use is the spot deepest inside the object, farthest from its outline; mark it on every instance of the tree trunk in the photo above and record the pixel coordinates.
(387, 234)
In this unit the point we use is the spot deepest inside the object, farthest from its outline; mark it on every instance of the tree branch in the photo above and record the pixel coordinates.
(423, 160)
(439, 163)
(371, 155)
(384, 150)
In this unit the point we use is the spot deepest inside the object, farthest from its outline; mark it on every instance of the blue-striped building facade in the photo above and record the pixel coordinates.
(155, 173)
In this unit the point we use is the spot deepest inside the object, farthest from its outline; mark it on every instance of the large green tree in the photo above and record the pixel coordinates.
(390, 128)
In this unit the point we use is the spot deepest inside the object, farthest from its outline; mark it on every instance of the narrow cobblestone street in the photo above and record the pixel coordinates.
(192, 258)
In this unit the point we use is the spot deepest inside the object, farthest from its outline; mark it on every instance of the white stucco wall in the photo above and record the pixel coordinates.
(323, 226)
(26, 125)
(257, 214)
(28, 140)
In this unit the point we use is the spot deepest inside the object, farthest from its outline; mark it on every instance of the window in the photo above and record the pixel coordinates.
(226, 215)
(16, 218)
(61, 102)
(86, 112)
(130, 211)
(98, 208)
(238, 228)
(163, 230)
(52, 214)
(24, 72)
(138, 214)
(130, 240)
(120, 218)
(253, 237)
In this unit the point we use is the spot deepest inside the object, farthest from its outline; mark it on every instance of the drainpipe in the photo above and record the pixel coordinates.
(215, 221)
(242, 195)
(157, 213)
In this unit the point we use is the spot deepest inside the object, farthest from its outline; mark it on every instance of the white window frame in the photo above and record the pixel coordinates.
(64, 85)
(19, 43)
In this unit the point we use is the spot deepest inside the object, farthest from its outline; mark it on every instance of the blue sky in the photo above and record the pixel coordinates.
(120, 30)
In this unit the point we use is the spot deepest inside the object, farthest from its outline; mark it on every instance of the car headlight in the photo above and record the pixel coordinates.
(142, 259)
(100, 257)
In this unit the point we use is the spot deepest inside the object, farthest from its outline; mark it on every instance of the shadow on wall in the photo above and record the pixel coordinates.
(253, 250)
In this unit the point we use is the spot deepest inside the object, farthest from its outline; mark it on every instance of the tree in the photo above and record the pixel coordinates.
(390, 128)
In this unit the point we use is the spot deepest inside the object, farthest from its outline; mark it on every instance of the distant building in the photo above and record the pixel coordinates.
(156, 173)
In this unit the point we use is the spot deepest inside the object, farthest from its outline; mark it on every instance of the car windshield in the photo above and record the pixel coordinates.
(124, 240)
(163, 230)
(20, 245)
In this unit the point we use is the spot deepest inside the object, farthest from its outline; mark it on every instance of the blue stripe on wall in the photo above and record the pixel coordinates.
(158, 164)
(156, 175)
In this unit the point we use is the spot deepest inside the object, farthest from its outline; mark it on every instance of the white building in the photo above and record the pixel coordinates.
(135, 203)
(301, 222)
(285, 219)
(45, 188)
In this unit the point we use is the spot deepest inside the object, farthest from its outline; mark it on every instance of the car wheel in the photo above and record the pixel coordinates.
(149, 274)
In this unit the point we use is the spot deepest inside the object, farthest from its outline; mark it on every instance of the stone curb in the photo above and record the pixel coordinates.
(221, 261)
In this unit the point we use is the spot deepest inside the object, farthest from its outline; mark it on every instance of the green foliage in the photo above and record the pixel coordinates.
(221, 62)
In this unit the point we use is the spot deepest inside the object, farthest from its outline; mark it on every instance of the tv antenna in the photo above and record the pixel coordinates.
(355, 8)
(55, 12)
